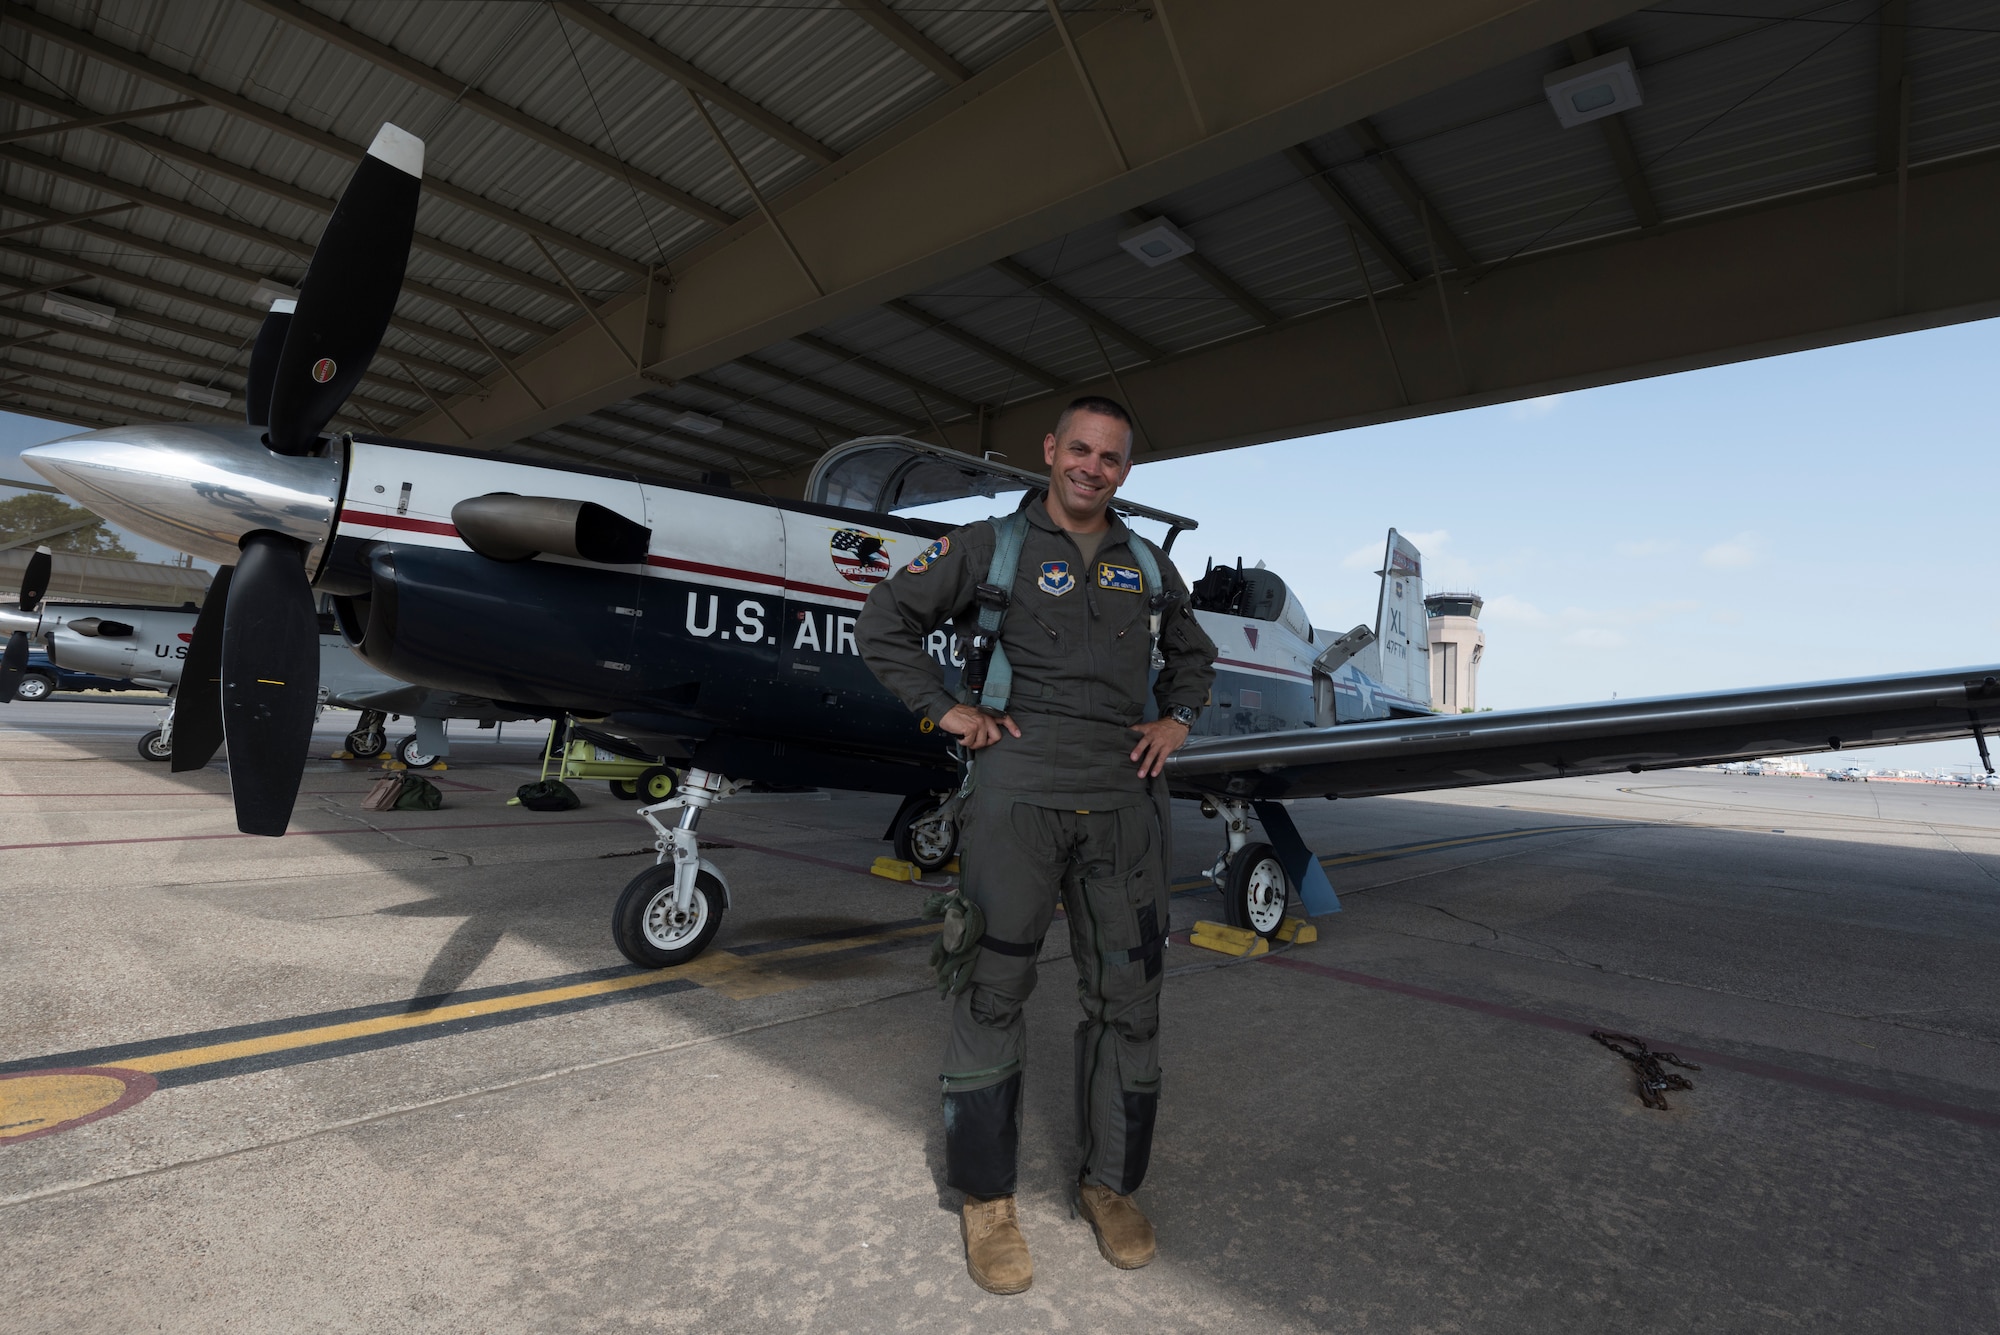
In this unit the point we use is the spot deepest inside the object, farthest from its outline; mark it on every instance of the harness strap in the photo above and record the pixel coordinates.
(1009, 532)
(1018, 949)
(1156, 592)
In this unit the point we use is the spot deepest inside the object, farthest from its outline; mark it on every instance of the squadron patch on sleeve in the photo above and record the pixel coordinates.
(928, 555)
(1123, 579)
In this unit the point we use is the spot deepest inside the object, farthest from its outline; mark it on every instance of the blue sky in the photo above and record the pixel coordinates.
(1825, 514)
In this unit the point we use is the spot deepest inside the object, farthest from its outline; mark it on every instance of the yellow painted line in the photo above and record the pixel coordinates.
(735, 977)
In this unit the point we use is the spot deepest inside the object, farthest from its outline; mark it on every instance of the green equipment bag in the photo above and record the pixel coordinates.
(418, 794)
(956, 949)
(548, 795)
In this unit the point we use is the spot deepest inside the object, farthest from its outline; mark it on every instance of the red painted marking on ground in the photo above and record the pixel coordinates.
(138, 1084)
(796, 857)
(1745, 1065)
(456, 785)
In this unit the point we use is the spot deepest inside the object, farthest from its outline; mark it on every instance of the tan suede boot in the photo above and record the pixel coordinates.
(996, 1255)
(1124, 1234)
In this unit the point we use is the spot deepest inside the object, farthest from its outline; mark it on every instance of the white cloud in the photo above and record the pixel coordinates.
(1509, 608)
(1594, 637)
(1737, 553)
(1527, 410)
(1646, 547)
(1363, 558)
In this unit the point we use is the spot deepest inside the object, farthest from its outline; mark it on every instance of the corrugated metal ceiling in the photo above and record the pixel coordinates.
(1765, 99)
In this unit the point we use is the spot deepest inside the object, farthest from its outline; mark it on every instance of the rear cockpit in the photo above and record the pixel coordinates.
(1257, 595)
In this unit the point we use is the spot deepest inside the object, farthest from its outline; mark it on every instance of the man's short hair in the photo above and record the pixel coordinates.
(1094, 403)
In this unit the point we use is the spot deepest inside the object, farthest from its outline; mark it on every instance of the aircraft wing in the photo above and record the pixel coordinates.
(1463, 750)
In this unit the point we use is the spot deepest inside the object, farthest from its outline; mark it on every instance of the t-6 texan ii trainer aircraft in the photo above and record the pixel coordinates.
(719, 626)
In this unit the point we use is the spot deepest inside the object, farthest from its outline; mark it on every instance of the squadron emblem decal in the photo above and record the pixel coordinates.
(1056, 579)
(860, 557)
(928, 555)
(323, 369)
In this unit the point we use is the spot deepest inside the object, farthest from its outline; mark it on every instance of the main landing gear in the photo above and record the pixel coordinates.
(158, 745)
(672, 910)
(1252, 880)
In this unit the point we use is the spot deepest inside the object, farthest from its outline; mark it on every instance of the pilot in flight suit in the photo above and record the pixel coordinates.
(1063, 804)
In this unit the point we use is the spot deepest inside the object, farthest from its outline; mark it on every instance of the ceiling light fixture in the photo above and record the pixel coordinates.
(1155, 243)
(1595, 89)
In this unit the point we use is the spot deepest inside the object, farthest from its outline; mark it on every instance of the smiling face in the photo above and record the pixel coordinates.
(1088, 456)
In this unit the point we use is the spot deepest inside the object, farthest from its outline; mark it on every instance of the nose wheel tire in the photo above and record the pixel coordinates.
(411, 754)
(1255, 890)
(366, 745)
(648, 930)
(152, 747)
(925, 839)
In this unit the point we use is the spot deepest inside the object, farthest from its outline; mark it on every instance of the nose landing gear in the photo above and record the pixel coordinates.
(673, 909)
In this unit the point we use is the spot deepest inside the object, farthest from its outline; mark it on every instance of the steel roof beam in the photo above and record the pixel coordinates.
(163, 350)
(922, 388)
(723, 458)
(1892, 37)
(101, 414)
(1207, 270)
(1319, 178)
(661, 458)
(173, 378)
(905, 34)
(1414, 199)
(58, 219)
(1013, 158)
(972, 342)
(110, 53)
(158, 144)
(1617, 139)
(234, 311)
(826, 391)
(771, 438)
(95, 121)
(472, 99)
(107, 387)
(1605, 310)
(647, 51)
(761, 403)
(223, 223)
(1077, 309)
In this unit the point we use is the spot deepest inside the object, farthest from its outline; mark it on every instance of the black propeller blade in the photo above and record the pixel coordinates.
(264, 354)
(198, 699)
(270, 680)
(35, 579)
(13, 665)
(349, 292)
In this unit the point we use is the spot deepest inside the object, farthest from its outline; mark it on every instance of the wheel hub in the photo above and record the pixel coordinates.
(668, 928)
(1266, 895)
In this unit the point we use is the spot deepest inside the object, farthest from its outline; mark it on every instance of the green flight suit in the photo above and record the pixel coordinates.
(1059, 812)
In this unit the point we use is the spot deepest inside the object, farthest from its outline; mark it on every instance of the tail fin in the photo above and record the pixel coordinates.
(1400, 622)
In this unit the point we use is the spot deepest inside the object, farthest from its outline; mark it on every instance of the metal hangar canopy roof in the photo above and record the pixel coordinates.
(713, 238)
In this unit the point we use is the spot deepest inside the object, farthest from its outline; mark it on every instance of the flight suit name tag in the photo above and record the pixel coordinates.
(1056, 579)
(1122, 579)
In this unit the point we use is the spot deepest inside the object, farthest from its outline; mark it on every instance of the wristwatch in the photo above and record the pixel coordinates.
(1182, 715)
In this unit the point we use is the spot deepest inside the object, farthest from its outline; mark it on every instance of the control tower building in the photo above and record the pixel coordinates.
(1456, 646)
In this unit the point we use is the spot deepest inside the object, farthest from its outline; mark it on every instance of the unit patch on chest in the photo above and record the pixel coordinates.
(1123, 579)
(1056, 578)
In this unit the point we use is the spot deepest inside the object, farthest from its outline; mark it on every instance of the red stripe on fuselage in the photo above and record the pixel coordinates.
(1262, 667)
(366, 519)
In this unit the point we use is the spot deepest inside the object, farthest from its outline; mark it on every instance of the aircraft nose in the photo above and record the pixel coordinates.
(196, 489)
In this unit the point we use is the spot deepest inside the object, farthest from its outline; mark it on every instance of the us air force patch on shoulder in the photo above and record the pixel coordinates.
(1124, 579)
(1056, 578)
(928, 555)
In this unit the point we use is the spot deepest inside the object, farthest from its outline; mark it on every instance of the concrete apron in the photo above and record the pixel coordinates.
(1403, 1126)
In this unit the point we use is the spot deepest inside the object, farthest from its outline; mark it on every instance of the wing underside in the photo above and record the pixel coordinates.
(1465, 750)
